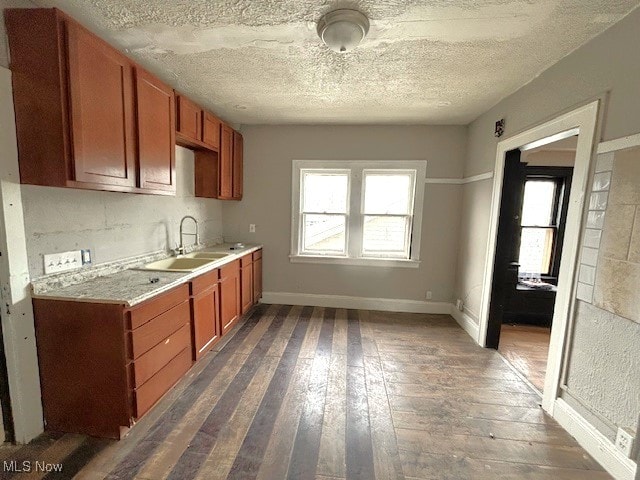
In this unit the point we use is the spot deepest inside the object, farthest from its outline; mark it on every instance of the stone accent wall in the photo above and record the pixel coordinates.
(617, 280)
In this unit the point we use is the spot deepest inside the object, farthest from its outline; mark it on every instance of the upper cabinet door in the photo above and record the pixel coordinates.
(211, 130)
(156, 133)
(238, 147)
(189, 119)
(102, 124)
(226, 162)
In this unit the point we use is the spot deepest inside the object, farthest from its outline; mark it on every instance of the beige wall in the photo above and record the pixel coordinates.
(606, 65)
(269, 151)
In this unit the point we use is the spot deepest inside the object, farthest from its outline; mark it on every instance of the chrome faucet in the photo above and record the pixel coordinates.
(182, 249)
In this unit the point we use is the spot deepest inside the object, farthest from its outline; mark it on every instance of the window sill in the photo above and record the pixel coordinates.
(363, 262)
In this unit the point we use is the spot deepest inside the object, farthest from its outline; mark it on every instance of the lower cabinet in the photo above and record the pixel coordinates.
(103, 366)
(230, 295)
(257, 275)
(205, 311)
(246, 275)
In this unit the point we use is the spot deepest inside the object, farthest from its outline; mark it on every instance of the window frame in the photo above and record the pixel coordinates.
(355, 215)
(561, 176)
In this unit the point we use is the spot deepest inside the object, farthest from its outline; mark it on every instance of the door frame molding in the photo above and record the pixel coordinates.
(582, 121)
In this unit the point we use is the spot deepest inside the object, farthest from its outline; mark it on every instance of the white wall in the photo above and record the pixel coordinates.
(269, 151)
(115, 225)
(609, 65)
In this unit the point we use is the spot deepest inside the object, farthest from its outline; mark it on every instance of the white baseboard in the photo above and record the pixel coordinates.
(363, 303)
(467, 323)
(595, 443)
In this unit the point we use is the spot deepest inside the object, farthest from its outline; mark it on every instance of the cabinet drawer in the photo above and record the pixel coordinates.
(151, 362)
(158, 329)
(149, 393)
(257, 254)
(246, 260)
(160, 304)
(230, 270)
(201, 283)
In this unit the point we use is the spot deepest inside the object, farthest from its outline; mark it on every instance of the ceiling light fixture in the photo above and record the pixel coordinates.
(343, 30)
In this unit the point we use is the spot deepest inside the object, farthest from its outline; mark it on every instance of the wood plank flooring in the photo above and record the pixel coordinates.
(526, 347)
(323, 393)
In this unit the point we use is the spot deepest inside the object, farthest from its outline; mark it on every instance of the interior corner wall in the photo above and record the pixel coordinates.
(608, 63)
(607, 66)
(268, 155)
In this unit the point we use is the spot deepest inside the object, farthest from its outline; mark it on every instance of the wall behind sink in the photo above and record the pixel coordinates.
(115, 225)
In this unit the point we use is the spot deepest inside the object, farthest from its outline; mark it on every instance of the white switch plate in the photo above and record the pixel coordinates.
(429, 295)
(61, 262)
(252, 228)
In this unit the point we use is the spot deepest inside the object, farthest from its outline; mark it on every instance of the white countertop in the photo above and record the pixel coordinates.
(133, 286)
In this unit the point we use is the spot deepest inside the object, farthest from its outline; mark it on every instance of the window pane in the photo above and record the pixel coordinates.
(537, 208)
(388, 193)
(536, 247)
(325, 192)
(385, 235)
(324, 234)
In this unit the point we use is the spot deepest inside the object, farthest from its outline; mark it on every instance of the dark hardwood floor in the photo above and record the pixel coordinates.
(526, 347)
(322, 393)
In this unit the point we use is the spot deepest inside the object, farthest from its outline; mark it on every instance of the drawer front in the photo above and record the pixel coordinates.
(257, 254)
(160, 304)
(151, 362)
(201, 283)
(230, 270)
(246, 260)
(158, 329)
(149, 393)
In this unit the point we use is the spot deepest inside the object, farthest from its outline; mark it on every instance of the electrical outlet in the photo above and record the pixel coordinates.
(460, 304)
(86, 257)
(624, 441)
(252, 228)
(61, 262)
(429, 295)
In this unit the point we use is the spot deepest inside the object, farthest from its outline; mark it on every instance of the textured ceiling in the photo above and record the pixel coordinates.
(428, 62)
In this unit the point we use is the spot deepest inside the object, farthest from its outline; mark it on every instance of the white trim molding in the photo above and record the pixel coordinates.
(599, 447)
(363, 303)
(356, 171)
(465, 321)
(362, 261)
(459, 181)
(584, 119)
(619, 144)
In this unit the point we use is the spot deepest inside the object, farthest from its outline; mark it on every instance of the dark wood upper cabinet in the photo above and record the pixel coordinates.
(211, 130)
(238, 153)
(83, 117)
(226, 163)
(189, 121)
(156, 133)
(102, 107)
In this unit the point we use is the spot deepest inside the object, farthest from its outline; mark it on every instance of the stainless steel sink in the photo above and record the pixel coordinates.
(180, 264)
(208, 255)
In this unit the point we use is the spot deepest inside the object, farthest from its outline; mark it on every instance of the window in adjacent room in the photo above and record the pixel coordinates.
(357, 212)
(544, 212)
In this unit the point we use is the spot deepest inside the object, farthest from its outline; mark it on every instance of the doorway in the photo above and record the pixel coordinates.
(533, 214)
(581, 123)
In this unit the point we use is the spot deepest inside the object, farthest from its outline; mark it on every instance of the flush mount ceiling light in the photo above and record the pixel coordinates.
(343, 30)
